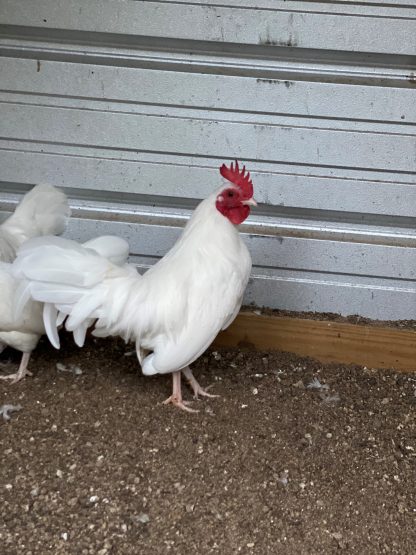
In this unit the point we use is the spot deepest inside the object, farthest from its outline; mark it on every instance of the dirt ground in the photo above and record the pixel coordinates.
(93, 463)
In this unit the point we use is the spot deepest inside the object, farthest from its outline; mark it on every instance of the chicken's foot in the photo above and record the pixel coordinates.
(22, 371)
(176, 397)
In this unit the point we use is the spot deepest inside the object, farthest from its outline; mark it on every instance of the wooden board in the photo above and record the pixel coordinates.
(371, 346)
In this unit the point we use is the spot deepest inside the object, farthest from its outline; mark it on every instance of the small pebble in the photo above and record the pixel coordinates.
(142, 517)
(283, 479)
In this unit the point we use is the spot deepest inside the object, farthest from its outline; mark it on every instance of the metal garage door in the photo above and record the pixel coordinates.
(133, 105)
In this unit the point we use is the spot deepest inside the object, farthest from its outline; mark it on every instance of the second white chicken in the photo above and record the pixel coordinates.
(42, 211)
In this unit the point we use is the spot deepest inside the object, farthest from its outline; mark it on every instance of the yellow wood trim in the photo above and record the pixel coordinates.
(327, 341)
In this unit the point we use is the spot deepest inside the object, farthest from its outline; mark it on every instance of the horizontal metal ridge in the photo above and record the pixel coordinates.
(261, 62)
(204, 114)
(344, 7)
(265, 220)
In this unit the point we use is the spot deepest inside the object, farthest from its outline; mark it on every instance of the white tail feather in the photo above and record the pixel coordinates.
(114, 249)
(49, 319)
(84, 309)
(60, 319)
(54, 293)
(72, 278)
(55, 265)
(79, 334)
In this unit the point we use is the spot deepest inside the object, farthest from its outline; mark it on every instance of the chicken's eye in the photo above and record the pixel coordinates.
(230, 193)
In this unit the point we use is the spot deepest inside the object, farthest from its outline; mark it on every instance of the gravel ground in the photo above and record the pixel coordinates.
(93, 463)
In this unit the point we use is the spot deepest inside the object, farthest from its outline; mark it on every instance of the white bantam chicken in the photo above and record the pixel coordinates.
(174, 311)
(43, 210)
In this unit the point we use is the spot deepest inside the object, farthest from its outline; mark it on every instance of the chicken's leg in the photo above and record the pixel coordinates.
(176, 397)
(22, 372)
(197, 389)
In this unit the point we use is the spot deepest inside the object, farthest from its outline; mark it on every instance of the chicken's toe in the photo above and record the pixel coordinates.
(183, 405)
(196, 388)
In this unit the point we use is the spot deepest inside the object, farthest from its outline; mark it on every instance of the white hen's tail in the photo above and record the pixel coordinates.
(75, 282)
(43, 211)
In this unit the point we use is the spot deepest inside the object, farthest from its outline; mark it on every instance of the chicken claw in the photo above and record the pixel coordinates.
(196, 388)
(176, 397)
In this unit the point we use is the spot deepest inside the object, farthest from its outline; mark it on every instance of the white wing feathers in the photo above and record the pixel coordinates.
(43, 210)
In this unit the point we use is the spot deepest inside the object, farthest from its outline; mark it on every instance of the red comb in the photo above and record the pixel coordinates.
(234, 175)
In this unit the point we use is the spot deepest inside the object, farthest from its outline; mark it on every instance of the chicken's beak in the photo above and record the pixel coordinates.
(250, 202)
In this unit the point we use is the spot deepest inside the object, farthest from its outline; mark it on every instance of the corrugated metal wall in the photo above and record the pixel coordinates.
(133, 105)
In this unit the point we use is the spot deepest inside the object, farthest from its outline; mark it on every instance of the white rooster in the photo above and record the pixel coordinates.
(43, 210)
(174, 311)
